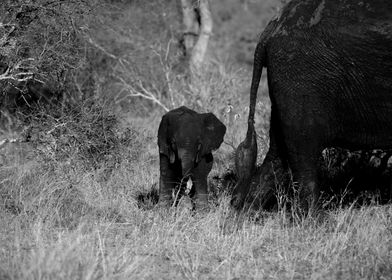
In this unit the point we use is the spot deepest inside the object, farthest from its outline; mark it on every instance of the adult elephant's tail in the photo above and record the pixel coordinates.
(258, 63)
(246, 153)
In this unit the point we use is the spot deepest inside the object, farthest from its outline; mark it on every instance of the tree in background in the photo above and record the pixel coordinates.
(42, 50)
(197, 22)
(125, 52)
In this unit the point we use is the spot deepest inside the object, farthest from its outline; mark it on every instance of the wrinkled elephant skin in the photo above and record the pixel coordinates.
(329, 66)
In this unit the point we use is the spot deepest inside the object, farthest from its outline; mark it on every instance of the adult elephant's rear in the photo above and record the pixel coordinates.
(329, 65)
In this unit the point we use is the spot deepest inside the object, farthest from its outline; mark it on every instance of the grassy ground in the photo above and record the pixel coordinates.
(93, 229)
(64, 220)
(68, 211)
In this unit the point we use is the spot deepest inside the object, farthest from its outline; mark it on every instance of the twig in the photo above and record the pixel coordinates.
(95, 44)
(144, 93)
(133, 92)
(18, 72)
(8, 75)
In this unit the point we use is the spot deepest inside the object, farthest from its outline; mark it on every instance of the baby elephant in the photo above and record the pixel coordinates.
(186, 140)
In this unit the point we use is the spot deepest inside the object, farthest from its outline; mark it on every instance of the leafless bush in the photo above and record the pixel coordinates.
(85, 137)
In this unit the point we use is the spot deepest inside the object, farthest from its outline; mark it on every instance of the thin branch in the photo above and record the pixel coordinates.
(7, 75)
(56, 126)
(167, 69)
(95, 44)
(19, 72)
(143, 92)
(5, 38)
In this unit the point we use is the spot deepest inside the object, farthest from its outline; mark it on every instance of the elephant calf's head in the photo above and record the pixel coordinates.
(186, 137)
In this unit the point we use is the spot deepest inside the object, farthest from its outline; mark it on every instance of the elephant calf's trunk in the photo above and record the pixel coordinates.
(187, 161)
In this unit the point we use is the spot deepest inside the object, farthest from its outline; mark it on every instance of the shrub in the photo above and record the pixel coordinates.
(86, 136)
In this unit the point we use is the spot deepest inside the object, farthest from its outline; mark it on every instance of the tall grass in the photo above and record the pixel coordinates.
(69, 204)
(76, 220)
(176, 244)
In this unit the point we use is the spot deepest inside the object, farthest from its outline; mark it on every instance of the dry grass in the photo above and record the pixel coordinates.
(68, 203)
(156, 244)
(75, 223)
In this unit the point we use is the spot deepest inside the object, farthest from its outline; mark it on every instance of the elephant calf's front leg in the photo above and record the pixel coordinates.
(200, 174)
(167, 181)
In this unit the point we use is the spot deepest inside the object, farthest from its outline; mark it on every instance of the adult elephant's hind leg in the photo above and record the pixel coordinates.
(305, 120)
(273, 172)
(303, 156)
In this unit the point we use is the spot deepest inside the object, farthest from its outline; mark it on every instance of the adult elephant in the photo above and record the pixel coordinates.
(186, 140)
(329, 66)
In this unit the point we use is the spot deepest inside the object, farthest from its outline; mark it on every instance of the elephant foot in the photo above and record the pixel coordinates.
(240, 193)
(185, 204)
(201, 202)
(237, 201)
(164, 201)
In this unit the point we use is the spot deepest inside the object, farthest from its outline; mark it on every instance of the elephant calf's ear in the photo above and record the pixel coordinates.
(165, 144)
(163, 137)
(215, 131)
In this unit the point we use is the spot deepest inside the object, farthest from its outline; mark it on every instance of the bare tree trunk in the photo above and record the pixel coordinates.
(200, 48)
(198, 24)
(191, 26)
